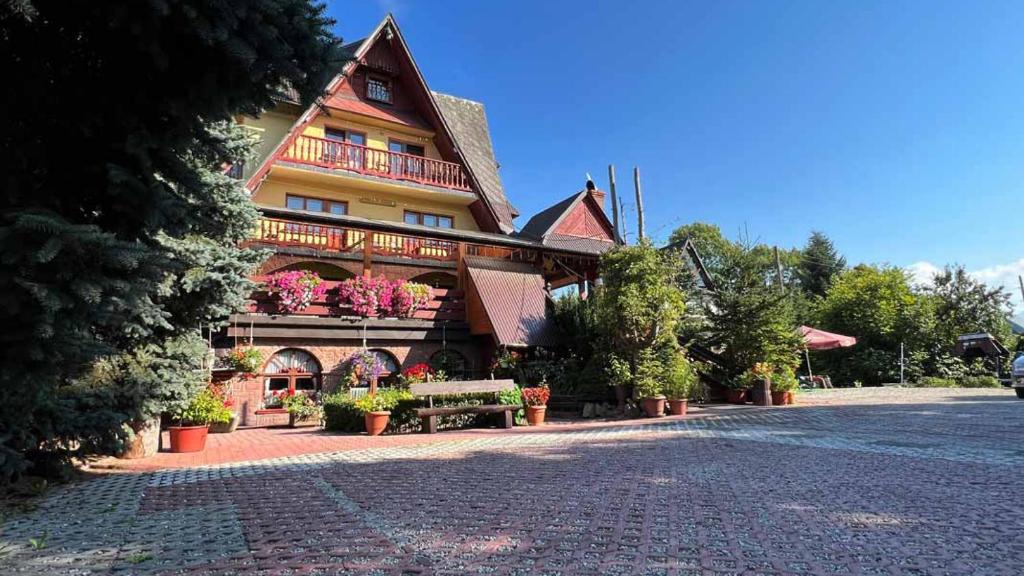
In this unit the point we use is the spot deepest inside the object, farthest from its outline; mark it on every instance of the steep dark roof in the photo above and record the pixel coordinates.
(515, 301)
(542, 222)
(288, 94)
(468, 124)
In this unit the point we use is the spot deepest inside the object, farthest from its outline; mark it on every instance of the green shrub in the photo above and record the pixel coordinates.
(979, 382)
(936, 382)
(341, 414)
(206, 408)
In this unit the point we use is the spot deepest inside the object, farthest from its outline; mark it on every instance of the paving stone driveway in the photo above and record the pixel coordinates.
(857, 482)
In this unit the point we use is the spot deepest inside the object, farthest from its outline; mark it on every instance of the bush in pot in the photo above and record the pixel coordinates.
(680, 378)
(245, 359)
(784, 384)
(221, 391)
(376, 408)
(649, 384)
(194, 422)
(536, 401)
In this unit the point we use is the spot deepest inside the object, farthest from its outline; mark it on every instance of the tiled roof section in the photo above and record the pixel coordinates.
(577, 244)
(468, 123)
(515, 301)
(542, 222)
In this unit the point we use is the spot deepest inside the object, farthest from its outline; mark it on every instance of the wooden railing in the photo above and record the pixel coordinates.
(344, 239)
(383, 163)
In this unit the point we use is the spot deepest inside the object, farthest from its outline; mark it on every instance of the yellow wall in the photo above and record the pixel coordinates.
(271, 127)
(376, 137)
(274, 190)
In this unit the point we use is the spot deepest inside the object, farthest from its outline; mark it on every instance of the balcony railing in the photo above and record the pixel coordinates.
(383, 163)
(343, 239)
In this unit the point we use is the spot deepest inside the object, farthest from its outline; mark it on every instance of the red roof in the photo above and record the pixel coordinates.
(514, 299)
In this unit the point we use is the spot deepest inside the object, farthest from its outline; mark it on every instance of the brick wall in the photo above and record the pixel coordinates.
(248, 392)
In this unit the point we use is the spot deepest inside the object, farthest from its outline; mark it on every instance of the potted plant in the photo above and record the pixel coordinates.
(296, 289)
(784, 385)
(362, 369)
(194, 422)
(245, 359)
(231, 425)
(536, 401)
(376, 409)
(649, 384)
(679, 380)
(303, 409)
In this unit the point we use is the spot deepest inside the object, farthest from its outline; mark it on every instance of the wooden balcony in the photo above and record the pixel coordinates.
(342, 239)
(335, 155)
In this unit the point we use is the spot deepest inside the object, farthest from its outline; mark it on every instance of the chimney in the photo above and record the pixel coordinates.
(597, 195)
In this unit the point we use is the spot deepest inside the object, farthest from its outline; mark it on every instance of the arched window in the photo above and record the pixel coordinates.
(391, 365)
(451, 361)
(291, 369)
(436, 280)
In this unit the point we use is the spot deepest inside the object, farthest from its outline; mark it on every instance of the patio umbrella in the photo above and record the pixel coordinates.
(815, 339)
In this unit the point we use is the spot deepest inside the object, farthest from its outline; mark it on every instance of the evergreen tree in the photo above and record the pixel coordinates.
(819, 265)
(119, 230)
(750, 318)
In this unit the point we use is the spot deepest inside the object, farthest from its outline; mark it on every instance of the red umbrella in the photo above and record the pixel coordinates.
(815, 339)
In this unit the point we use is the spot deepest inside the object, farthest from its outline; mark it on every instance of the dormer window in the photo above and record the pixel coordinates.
(379, 89)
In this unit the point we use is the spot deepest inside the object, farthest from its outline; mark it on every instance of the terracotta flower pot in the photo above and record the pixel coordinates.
(654, 407)
(778, 398)
(736, 397)
(677, 407)
(535, 415)
(376, 422)
(188, 438)
(790, 397)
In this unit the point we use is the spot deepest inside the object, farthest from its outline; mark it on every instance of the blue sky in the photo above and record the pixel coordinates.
(895, 128)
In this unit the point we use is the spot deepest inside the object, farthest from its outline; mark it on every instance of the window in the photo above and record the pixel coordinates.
(451, 362)
(293, 370)
(378, 89)
(411, 163)
(337, 207)
(346, 156)
(432, 220)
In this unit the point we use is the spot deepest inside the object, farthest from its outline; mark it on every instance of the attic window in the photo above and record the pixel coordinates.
(378, 89)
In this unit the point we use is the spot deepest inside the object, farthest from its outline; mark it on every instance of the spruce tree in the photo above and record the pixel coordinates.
(820, 263)
(119, 230)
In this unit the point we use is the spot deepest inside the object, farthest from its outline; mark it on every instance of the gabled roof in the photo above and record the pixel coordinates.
(544, 226)
(463, 125)
(690, 248)
(468, 123)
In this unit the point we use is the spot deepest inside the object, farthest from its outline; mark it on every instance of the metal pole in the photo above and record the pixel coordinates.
(901, 363)
(639, 204)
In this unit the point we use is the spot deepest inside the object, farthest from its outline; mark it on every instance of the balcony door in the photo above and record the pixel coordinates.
(408, 160)
(345, 148)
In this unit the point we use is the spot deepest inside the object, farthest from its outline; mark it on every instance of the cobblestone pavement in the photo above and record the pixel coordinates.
(893, 482)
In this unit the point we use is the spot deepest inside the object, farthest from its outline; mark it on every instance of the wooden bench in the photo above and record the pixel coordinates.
(428, 416)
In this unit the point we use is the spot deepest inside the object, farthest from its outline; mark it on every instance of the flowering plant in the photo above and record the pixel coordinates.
(417, 373)
(221, 393)
(363, 294)
(245, 359)
(401, 299)
(301, 404)
(536, 396)
(383, 297)
(206, 408)
(363, 367)
(296, 289)
(274, 398)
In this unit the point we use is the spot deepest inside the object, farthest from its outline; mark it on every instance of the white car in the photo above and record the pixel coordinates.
(1018, 376)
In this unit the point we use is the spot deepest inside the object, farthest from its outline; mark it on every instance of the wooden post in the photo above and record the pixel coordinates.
(460, 267)
(368, 255)
(1021, 280)
(615, 204)
(639, 204)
